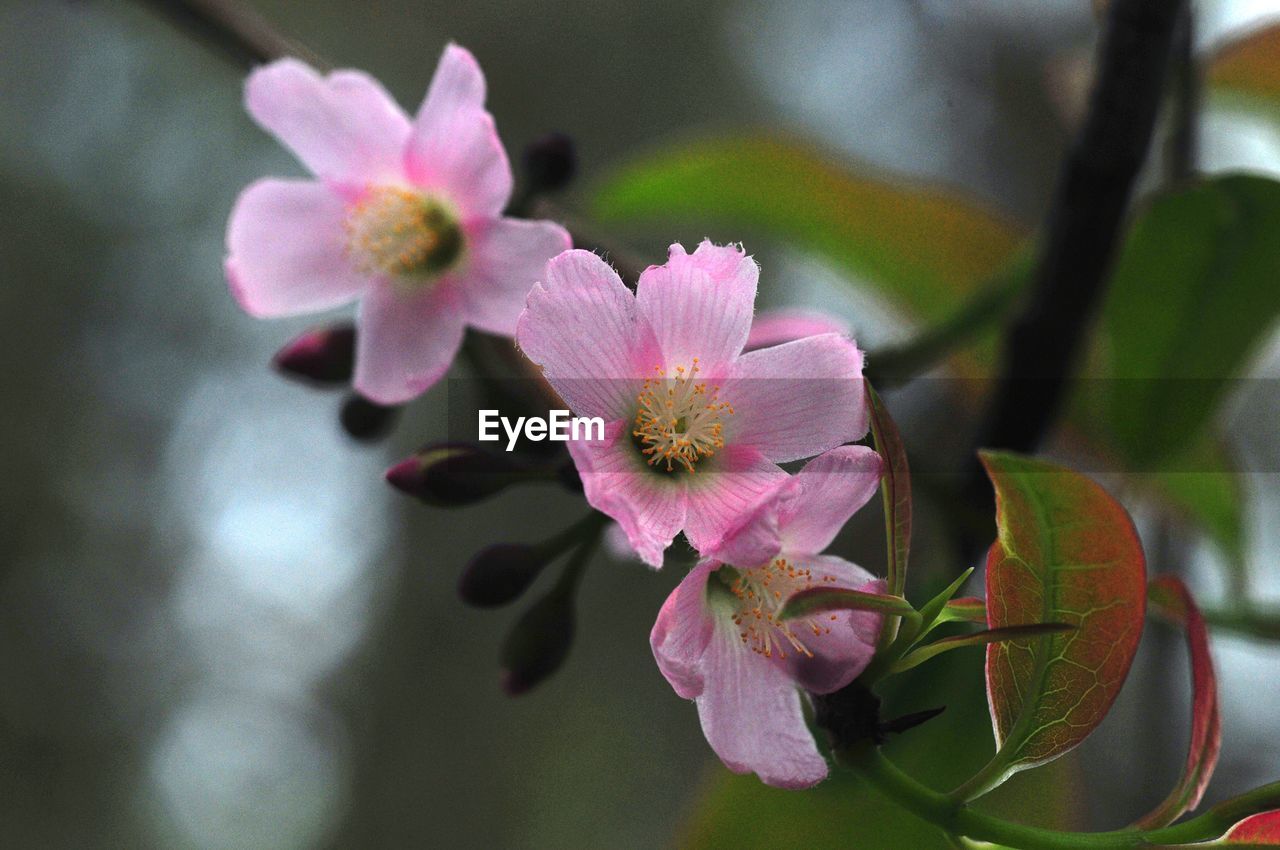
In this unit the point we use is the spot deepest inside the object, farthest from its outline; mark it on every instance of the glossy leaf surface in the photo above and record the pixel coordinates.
(1171, 599)
(1067, 552)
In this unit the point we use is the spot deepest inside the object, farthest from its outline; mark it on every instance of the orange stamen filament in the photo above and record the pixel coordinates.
(678, 418)
(761, 593)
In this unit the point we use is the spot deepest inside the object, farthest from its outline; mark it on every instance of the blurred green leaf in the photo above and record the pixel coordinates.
(1204, 483)
(924, 246)
(1194, 290)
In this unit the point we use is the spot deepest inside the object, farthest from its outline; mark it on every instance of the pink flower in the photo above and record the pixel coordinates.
(405, 216)
(787, 324)
(695, 428)
(719, 642)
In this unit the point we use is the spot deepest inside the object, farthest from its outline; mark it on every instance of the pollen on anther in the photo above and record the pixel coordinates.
(677, 421)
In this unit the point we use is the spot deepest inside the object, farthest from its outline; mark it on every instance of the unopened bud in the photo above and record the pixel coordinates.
(320, 355)
(501, 573)
(538, 643)
(365, 420)
(454, 474)
(550, 162)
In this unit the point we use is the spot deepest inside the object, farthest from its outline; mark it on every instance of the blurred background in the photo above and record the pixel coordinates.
(219, 628)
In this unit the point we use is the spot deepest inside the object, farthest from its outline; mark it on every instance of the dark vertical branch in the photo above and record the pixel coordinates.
(1183, 146)
(240, 32)
(1083, 228)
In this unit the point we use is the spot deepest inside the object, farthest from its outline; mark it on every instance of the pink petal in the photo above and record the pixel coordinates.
(406, 340)
(832, 487)
(699, 305)
(841, 655)
(649, 506)
(683, 630)
(582, 327)
(286, 251)
(752, 715)
(773, 327)
(454, 145)
(797, 399)
(754, 538)
(723, 490)
(344, 127)
(505, 257)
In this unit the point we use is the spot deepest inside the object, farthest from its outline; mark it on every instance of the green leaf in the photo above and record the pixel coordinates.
(982, 638)
(895, 489)
(1193, 292)
(942, 608)
(1206, 485)
(924, 246)
(821, 599)
(1066, 552)
(966, 609)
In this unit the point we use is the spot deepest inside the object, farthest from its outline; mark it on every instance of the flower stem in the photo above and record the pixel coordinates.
(959, 821)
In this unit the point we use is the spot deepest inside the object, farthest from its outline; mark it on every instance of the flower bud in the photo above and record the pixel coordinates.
(454, 474)
(320, 355)
(538, 643)
(501, 573)
(550, 162)
(365, 420)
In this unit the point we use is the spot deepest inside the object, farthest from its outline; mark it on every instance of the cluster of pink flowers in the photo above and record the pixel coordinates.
(701, 404)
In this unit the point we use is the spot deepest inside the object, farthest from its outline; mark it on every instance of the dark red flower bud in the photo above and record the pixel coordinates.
(538, 643)
(365, 420)
(502, 573)
(455, 474)
(320, 355)
(550, 162)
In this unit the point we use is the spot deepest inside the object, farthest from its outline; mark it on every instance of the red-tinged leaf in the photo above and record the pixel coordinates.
(821, 599)
(1249, 64)
(1173, 601)
(982, 638)
(895, 487)
(1066, 552)
(966, 609)
(1262, 830)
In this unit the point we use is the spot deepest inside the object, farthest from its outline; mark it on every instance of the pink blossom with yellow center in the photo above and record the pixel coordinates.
(695, 428)
(404, 216)
(719, 641)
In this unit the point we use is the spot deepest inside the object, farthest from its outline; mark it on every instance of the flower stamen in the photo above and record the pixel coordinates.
(678, 418)
(398, 231)
(761, 593)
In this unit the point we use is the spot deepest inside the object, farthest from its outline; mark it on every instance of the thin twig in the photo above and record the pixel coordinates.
(1082, 230)
(236, 30)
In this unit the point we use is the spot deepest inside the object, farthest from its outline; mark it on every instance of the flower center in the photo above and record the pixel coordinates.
(760, 594)
(678, 419)
(397, 231)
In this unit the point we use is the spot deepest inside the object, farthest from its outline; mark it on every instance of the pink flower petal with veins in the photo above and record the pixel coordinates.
(701, 426)
(718, 641)
(405, 216)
